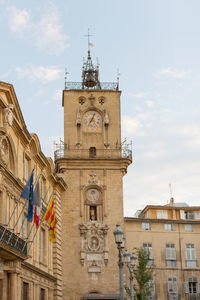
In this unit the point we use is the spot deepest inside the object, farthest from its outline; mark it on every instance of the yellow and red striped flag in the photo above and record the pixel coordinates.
(50, 217)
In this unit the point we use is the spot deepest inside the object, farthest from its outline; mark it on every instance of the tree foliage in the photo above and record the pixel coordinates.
(142, 276)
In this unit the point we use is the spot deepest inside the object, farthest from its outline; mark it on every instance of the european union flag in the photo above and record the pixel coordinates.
(27, 194)
(30, 204)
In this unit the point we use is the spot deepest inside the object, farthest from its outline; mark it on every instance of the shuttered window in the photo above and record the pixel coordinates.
(162, 214)
(172, 285)
(170, 255)
(190, 256)
(146, 226)
(168, 227)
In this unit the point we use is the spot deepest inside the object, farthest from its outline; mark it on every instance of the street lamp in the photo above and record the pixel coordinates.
(130, 261)
(119, 240)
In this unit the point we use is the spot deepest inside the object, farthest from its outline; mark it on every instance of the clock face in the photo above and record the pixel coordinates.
(92, 122)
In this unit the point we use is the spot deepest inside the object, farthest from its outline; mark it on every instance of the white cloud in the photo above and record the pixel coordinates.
(18, 19)
(138, 95)
(150, 103)
(46, 34)
(170, 72)
(131, 126)
(44, 74)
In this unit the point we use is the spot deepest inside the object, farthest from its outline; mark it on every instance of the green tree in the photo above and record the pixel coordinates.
(142, 275)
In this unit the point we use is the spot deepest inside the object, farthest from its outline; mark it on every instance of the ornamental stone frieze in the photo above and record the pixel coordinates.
(94, 251)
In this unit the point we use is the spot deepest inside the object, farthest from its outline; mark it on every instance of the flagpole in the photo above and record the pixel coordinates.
(13, 212)
(20, 215)
(36, 181)
(41, 220)
(33, 223)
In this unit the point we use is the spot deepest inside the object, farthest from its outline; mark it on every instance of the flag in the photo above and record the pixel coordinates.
(30, 200)
(50, 217)
(37, 203)
(26, 191)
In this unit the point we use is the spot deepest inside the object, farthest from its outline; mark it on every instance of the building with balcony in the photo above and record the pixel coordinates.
(30, 266)
(171, 235)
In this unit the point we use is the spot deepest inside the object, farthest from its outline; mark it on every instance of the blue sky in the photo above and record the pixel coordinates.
(156, 46)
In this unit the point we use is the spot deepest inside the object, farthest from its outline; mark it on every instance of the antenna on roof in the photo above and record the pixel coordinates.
(171, 197)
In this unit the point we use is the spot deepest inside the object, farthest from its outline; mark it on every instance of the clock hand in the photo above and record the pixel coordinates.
(92, 118)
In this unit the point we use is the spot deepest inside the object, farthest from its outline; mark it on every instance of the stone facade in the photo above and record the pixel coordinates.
(93, 167)
(172, 235)
(38, 274)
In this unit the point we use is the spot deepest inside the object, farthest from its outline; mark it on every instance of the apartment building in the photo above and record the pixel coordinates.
(171, 234)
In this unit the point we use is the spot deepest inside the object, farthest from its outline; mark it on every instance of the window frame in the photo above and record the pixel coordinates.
(190, 256)
(168, 229)
(146, 226)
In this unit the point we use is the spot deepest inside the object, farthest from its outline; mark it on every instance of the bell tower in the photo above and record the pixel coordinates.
(93, 163)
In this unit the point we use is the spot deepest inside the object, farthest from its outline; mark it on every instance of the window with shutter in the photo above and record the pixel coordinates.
(152, 289)
(197, 215)
(172, 285)
(162, 214)
(190, 256)
(146, 226)
(182, 214)
(168, 227)
(148, 248)
(186, 287)
(188, 227)
(189, 215)
(170, 255)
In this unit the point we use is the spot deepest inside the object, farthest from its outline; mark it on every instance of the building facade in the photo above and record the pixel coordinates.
(171, 235)
(35, 272)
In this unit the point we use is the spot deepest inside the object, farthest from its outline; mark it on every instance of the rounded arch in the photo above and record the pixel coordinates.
(50, 165)
(13, 159)
(34, 144)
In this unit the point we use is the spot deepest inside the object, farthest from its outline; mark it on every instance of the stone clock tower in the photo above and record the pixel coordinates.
(93, 163)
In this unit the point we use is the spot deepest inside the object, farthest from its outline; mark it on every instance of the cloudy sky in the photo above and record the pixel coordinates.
(156, 46)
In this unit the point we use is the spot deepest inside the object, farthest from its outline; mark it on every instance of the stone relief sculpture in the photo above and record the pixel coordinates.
(93, 245)
(106, 118)
(9, 114)
(93, 178)
(4, 150)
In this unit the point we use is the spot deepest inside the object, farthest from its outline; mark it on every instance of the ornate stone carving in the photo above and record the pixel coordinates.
(106, 118)
(93, 195)
(78, 117)
(93, 178)
(4, 149)
(9, 114)
(94, 251)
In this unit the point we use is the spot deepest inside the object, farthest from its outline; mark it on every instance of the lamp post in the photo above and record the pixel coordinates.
(130, 261)
(119, 240)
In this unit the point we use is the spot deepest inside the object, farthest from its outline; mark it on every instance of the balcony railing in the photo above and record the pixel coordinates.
(62, 152)
(16, 243)
(111, 86)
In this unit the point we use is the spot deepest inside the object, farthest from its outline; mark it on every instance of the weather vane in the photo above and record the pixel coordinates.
(88, 36)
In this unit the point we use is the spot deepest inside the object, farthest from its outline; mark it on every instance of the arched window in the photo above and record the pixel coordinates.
(92, 152)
